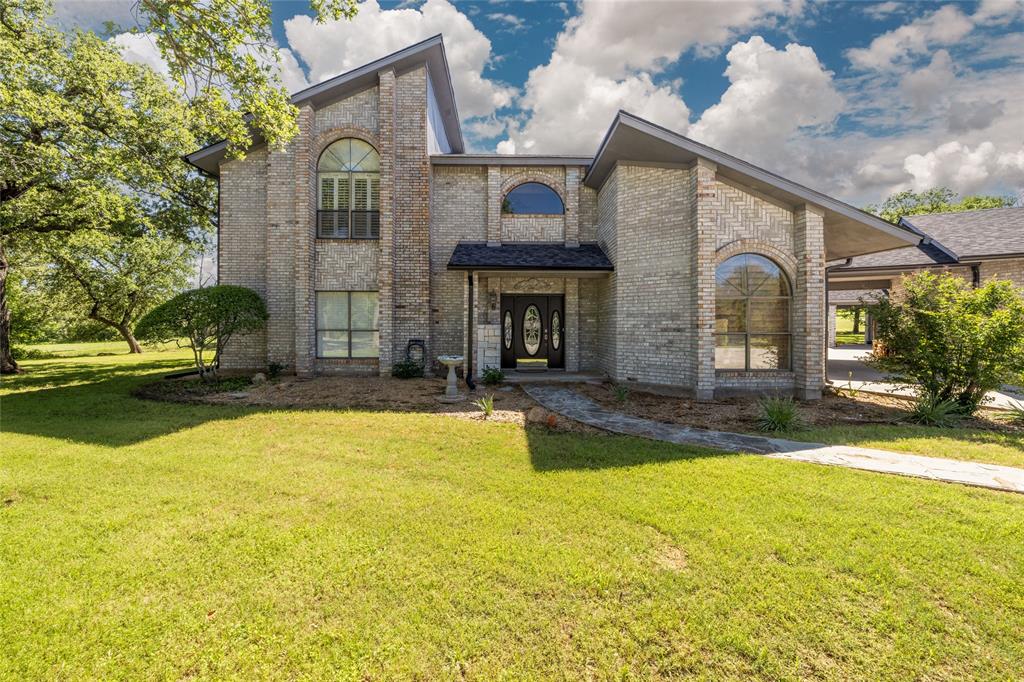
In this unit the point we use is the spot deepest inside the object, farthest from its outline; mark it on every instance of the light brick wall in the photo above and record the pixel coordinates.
(607, 215)
(242, 246)
(458, 212)
(1011, 269)
(654, 324)
(532, 228)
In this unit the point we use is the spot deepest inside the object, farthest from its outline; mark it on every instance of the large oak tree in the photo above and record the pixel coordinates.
(87, 142)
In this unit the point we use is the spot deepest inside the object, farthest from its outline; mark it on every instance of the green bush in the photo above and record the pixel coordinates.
(23, 353)
(779, 415)
(492, 376)
(406, 369)
(954, 341)
(207, 319)
(929, 411)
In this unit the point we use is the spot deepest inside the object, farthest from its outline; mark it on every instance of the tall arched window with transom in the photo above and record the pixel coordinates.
(348, 186)
(752, 315)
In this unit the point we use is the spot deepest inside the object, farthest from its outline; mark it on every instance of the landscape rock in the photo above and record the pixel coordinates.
(537, 415)
(259, 378)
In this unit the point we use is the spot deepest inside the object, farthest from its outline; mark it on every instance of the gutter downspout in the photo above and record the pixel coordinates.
(469, 335)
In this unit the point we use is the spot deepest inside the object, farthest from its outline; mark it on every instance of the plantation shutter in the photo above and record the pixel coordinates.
(326, 222)
(343, 193)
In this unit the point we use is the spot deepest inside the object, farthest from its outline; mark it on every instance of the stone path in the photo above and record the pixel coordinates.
(575, 406)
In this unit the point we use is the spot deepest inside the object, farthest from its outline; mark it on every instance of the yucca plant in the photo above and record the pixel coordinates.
(1014, 415)
(930, 411)
(779, 415)
(486, 405)
(621, 393)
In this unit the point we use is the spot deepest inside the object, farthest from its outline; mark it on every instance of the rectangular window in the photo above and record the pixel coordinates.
(346, 324)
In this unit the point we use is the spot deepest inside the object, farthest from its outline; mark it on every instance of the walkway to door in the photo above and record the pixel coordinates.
(575, 406)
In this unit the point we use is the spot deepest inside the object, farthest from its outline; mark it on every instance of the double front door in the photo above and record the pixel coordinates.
(532, 332)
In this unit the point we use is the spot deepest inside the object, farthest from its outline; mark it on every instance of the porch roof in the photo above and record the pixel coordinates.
(480, 256)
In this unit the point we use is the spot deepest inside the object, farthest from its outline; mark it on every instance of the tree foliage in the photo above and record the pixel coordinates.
(954, 341)
(115, 280)
(87, 142)
(206, 319)
(936, 200)
(222, 55)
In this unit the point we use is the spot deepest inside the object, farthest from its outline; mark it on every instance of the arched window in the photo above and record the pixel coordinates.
(752, 301)
(533, 198)
(348, 188)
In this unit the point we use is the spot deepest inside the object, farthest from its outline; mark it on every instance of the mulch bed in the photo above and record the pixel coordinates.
(384, 394)
(740, 414)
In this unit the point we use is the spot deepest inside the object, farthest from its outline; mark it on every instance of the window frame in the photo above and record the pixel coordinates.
(349, 330)
(505, 199)
(747, 332)
(372, 215)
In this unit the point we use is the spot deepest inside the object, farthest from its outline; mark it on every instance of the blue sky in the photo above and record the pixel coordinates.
(858, 99)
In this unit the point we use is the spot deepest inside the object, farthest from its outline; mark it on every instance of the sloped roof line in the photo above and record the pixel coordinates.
(321, 90)
(743, 167)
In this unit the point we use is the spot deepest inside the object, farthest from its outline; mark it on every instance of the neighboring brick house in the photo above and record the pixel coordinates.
(658, 260)
(976, 245)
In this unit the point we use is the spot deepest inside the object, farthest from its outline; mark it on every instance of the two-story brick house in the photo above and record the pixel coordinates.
(658, 260)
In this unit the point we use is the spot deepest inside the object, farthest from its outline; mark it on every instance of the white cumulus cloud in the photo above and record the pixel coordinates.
(335, 47)
(944, 26)
(609, 56)
(772, 96)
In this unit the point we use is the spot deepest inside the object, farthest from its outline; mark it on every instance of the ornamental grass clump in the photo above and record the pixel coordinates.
(929, 411)
(486, 405)
(779, 415)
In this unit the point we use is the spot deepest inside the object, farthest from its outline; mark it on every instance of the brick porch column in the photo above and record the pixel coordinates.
(386, 266)
(305, 245)
(493, 206)
(704, 219)
(809, 302)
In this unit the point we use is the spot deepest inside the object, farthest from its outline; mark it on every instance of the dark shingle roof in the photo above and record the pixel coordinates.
(478, 256)
(986, 232)
(954, 237)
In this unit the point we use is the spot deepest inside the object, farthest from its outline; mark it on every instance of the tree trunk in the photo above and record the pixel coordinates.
(133, 345)
(856, 320)
(7, 363)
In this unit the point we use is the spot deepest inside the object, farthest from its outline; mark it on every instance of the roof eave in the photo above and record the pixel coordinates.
(601, 167)
(208, 158)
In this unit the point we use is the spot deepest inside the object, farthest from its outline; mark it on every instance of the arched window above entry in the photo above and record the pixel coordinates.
(348, 191)
(752, 314)
(532, 198)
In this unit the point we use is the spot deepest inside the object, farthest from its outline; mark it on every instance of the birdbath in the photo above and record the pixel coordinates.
(451, 391)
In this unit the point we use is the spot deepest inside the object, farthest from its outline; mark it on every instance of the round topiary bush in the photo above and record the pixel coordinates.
(205, 320)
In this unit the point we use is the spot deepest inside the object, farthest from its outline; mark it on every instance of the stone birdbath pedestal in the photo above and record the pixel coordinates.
(451, 391)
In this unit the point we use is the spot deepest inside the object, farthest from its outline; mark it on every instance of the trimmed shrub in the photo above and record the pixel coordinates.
(953, 341)
(492, 376)
(206, 319)
(779, 415)
(406, 369)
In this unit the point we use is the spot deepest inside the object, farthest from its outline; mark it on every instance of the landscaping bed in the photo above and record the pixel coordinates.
(382, 394)
(740, 414)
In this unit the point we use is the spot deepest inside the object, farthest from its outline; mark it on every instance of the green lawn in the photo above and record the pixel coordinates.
(152, 540)
(844, 331)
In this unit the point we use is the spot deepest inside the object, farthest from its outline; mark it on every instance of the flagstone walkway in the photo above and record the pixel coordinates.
(575, 406)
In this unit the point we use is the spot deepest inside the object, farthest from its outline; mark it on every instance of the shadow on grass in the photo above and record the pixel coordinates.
(91, 402)
(557, 451)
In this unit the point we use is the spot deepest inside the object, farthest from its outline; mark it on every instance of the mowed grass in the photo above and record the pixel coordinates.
(151, 540)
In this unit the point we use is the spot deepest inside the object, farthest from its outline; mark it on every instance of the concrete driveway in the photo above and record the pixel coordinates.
(844, 360)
